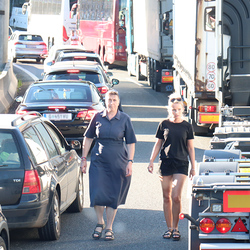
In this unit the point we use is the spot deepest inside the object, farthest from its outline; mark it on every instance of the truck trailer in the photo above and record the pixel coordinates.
(149, 39)
(212, 60)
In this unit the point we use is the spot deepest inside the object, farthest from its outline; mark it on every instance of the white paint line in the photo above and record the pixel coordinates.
(137, 83)
(26, 71)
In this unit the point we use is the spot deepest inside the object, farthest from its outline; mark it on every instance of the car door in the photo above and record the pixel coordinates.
(11, 169)
(72, 160)
(57, 164)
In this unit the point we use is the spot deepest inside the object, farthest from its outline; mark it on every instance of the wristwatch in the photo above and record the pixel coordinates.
(130, 160)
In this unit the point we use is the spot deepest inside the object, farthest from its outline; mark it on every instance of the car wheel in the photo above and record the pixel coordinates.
(38, 60)
(77, 205)
(52, 229)
(14, 60)
(2, 244)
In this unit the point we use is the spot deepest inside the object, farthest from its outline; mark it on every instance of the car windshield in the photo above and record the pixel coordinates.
(35, 38)
(9, 156)
(58, 93)
(76, 75)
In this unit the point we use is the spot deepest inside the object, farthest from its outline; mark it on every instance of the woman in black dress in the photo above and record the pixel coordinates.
(111, 162)
(175, 143)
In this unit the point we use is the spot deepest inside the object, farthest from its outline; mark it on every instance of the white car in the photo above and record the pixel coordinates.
(24, 45)
(54, 52)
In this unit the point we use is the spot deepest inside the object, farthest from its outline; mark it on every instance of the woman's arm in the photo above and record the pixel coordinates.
(131, 152)
(85, 150)
(191, 153)
(155, 152)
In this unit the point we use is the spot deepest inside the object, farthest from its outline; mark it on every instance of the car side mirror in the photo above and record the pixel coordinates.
(115, 81)
(19, 99)
(76, 145)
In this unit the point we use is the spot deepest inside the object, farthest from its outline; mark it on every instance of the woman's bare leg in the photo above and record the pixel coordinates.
(99, 214)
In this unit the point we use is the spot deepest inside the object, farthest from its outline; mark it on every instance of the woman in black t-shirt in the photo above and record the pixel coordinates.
(174, 143)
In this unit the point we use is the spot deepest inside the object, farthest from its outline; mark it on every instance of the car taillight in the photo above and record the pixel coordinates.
(207, 225)
(223, 225)
(17, 43)
(80, 57)
(57, 107)
(208, 108)
(103, 90)
(44, 44)
(21, 112)
(31, 183)
(75, 71)
(87, 114)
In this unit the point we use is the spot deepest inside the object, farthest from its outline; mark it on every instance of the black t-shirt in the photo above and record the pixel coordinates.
(175, 136)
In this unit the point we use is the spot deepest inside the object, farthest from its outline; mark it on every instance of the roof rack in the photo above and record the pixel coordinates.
(22, 117)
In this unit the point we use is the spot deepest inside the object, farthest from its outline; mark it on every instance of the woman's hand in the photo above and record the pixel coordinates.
(84, 166)
(129, 169)
(192, 173)
(150, 167)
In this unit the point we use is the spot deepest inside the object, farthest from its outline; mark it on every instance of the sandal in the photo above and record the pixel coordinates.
(176, 235)
(168, 234)
(109, 236)
(97, 235)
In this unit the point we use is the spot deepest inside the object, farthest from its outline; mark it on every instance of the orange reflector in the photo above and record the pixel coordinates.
(236, 201)
(209, 118)
(166, 79)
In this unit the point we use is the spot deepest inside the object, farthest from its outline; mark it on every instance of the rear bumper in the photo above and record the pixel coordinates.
(28, 214)
(223, 246)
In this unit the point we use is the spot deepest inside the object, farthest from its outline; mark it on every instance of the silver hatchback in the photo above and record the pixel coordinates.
(24, 45)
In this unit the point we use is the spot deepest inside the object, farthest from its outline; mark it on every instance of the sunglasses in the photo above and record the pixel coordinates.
(175, 99)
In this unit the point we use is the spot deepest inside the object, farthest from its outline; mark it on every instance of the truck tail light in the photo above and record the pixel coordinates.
(103, 90)
(223, 225)
(65, 36)
(87, 114)
(207, 225)
(31, 183)
(209, 108)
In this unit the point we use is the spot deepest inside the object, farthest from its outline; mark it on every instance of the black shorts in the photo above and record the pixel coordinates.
(173, 166)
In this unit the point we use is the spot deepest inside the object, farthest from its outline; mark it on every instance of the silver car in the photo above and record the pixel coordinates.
(24, 45)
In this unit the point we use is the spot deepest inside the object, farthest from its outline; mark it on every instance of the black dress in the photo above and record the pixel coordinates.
(107, 182)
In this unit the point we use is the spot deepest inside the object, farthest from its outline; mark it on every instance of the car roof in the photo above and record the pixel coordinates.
(81, 65)
(62, 82)
(78, 53)
(12, 121)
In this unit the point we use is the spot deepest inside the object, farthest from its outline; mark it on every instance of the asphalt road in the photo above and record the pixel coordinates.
(139, 223)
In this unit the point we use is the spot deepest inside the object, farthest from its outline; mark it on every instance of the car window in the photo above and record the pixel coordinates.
(57, 139)
(9, 155)
(30, 38)
(37, 152)
(95, 96)
(58, 93)
(47, 140)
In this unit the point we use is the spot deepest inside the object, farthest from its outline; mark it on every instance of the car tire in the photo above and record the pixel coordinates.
(14, 60)
(52, 229)
(38, 60)
(2, 244)
(77, 205)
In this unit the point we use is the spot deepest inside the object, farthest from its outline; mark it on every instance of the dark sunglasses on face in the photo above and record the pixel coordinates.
(175, 99)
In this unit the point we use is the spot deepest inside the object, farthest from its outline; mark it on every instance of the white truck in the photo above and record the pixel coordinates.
(149, 38)
(212, 59)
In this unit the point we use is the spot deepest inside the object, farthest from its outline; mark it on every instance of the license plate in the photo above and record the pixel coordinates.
(59, 117)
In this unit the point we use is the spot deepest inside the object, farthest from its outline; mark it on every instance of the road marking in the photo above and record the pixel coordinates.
(27, 72)
(137, 83)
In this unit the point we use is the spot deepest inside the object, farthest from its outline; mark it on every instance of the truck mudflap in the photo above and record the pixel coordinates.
(223, 246)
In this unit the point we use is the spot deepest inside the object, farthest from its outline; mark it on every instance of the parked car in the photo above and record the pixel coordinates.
(87, 71)
(4, 232)
(70, 105)
(40, 174)
(23, 45)
(55, 51)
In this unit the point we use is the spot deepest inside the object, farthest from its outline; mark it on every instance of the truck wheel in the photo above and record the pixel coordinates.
(139, 76)
(52, 229)
(77, 205)
(2, 244)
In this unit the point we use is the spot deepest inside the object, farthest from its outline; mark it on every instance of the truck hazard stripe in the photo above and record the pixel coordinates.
(236, 201)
